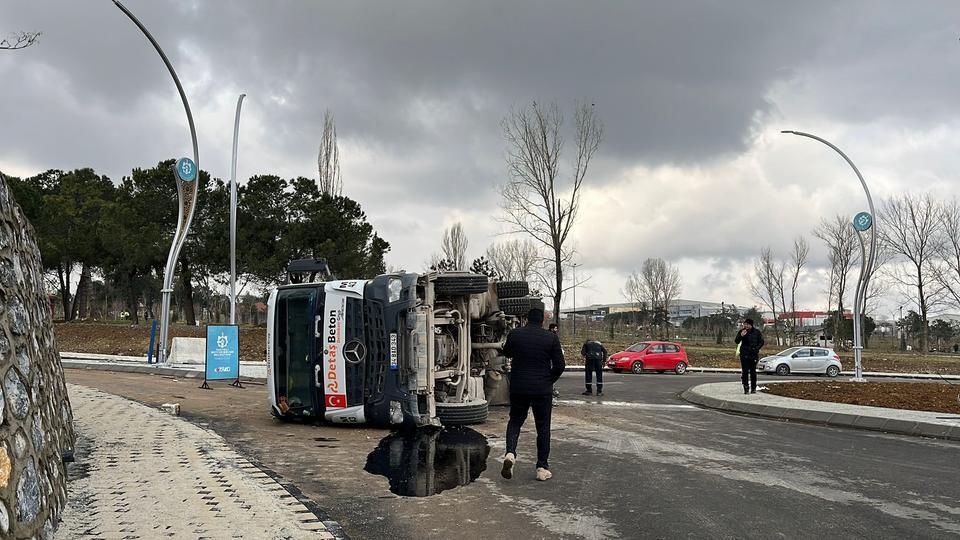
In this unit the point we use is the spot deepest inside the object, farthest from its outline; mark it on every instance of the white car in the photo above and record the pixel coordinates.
(819, 360)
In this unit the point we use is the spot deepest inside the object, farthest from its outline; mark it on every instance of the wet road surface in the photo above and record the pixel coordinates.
(638, 463)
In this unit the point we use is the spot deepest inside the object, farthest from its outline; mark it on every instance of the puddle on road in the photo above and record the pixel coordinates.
(426, 462)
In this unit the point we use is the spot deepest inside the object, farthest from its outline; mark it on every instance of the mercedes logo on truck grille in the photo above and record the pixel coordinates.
(354, 351)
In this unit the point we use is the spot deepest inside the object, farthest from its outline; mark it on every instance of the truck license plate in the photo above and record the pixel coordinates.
(394, 362)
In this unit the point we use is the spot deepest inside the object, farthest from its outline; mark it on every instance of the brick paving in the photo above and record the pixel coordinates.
(142, 473)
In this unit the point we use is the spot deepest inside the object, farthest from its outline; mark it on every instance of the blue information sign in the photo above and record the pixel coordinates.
(186, 169)
(862, 221)
(223, 353)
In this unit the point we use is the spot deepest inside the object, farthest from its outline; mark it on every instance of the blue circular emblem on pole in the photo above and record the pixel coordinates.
(186, 169)
(863, 221)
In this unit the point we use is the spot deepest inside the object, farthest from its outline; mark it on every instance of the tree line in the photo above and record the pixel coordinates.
(917, 265)
(114, 237)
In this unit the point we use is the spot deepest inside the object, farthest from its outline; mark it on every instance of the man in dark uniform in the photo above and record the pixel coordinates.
(751, 341)
(537, 364)
(594, 355)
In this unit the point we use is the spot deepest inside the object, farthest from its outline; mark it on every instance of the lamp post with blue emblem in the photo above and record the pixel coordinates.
(185, 172)
(864, 224)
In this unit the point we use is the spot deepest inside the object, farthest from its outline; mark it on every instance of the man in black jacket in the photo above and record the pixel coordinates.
(537, 364)
(751, 341)
(594, 355)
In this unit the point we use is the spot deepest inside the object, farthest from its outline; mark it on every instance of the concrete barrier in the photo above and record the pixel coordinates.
(188, 350)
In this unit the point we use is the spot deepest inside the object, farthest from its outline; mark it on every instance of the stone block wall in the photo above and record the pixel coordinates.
(36, 423)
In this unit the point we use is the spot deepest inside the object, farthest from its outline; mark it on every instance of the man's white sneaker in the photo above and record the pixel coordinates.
(544, 474)
(508, 462)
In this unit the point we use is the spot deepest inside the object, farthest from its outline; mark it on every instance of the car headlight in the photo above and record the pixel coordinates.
(393, 289)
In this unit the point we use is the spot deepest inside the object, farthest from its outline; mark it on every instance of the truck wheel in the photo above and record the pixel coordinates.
(512, 289)
(518, 307)
(463, 414)
(461, 284)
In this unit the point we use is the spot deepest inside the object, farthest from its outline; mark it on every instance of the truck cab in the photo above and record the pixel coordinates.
(402, 348)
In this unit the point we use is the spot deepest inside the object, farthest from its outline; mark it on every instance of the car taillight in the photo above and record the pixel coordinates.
(836, 357)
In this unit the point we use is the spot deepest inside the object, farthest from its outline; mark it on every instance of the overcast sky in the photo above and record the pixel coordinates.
(692, 95)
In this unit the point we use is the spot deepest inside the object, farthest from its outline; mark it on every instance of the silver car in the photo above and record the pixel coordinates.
(819, 360)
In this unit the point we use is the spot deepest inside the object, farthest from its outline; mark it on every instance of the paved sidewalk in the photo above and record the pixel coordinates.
(142, 473)
(729, 396)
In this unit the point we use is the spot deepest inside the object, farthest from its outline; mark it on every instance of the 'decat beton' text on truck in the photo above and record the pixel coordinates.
(414, 349)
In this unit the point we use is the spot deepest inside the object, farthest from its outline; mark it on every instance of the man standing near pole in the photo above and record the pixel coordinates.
(594, 355)
(750, 341)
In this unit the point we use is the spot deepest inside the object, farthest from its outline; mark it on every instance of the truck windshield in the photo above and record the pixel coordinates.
(294, 356)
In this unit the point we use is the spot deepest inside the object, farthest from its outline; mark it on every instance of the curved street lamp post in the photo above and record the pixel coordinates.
(864, 224)
(186, 173)
(233, 216)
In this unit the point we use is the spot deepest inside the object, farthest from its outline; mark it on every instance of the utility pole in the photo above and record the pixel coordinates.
(575, 265)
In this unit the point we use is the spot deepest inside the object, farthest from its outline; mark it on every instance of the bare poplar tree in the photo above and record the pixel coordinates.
(453, 246)
(879, 285)
(536, 199)
(911, 228)
(948, 268)
(19, 40)
(515, 259)
(328, 159)
(841, 241)
(798, 259)
(634, 292)
(768, 285)
(656, 285)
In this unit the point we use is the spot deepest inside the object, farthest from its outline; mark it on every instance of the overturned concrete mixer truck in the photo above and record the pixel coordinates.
(402, 348)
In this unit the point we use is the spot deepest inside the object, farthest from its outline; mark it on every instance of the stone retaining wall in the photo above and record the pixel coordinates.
(36, 427)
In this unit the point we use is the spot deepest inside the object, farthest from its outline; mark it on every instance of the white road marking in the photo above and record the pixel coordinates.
(626, 404)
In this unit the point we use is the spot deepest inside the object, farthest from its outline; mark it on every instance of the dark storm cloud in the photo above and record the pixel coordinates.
(419, 90)
(673, 81)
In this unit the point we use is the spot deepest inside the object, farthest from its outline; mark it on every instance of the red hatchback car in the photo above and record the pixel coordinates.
(660, 356)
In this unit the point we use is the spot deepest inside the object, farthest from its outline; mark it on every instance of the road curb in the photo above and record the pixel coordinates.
(145, 368)
(837, 414)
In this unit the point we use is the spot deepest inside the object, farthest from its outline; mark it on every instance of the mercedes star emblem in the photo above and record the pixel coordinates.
(354, 351)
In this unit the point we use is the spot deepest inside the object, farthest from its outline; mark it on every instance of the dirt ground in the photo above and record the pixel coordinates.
(134, 340)
(915, 396)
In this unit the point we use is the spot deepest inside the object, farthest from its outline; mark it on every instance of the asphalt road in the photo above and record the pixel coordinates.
(640, 463)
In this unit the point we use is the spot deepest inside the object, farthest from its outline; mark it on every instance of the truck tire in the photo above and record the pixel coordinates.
(461, 284)
(512, 289)
(518, 307)
(463, 414)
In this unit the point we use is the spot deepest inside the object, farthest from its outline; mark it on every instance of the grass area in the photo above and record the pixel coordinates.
(914, 396)
(133, 340)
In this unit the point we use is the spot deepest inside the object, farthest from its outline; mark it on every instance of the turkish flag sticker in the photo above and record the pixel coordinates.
(336, 401)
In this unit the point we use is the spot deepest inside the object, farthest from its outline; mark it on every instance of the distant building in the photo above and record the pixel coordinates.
(679, 310)
(804, 319)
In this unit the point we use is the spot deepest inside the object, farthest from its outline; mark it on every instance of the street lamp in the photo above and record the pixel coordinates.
(574, 266)
(186, 174)
(863, 223)
(233, 216)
